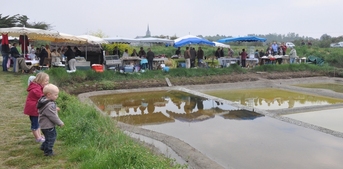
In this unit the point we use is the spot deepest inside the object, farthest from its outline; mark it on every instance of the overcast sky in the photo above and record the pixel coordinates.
(130, 18)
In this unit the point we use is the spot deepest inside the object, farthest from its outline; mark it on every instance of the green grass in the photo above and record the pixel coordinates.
(88, 139)
(294, 68)
(93, 141)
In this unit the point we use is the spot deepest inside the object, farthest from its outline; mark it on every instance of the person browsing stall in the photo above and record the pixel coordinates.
(70, 58)
(150, 56)
(77, 51)
(243, 57)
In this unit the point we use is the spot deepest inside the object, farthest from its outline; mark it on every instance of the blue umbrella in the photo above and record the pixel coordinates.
(189, 40)
(243, 39)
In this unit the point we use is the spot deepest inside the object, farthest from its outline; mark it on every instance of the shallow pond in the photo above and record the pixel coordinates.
(233, 138)
(331, 119)
(271, 99)
(160, 107)
(330, 86)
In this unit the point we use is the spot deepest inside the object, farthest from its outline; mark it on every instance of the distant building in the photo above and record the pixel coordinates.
(147, 34)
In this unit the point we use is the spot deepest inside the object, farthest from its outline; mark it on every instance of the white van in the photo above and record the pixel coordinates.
(290, 44)
(340, 44)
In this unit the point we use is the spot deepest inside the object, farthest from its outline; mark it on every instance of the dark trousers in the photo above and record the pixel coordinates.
(192, 62)
(150, 64)
(50, 138)
(4, 62)
(243, 62)
(144, 66)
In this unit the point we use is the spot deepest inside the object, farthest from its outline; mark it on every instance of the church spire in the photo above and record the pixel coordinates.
(148, 34)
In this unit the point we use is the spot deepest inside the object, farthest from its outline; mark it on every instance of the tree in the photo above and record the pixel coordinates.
(99, 33)
(20, 21)
(40, 25)
(8, 21)
(325, 37)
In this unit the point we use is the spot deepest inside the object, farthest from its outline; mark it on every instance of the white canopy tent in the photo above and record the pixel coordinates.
(154, 40)
(120, 39)
(93, 39)
(222, 45)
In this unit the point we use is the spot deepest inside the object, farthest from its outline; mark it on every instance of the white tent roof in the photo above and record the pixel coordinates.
(120, 39)
(185, 37)
(93, 39)
(222, 45)
(154, 40)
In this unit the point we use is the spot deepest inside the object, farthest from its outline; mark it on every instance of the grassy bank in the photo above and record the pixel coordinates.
(88, 140)
(107, 79)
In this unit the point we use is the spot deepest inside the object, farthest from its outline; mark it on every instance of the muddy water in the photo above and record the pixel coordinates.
(331, 86)
(271, 99)
(233, 138)
(260, 143)
(159, 107)
(331, 119)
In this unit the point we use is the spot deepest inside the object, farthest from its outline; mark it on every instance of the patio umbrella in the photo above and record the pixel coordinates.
(93, 39)
(243, 39)
(190, 39)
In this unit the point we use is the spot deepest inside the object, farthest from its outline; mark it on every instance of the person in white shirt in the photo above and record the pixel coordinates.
(32, 53)
(125, 54)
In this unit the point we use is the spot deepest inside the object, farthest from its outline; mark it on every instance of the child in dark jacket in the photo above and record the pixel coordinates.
(48, 117)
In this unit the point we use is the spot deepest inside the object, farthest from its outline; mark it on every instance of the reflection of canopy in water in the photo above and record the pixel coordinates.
(145, 119)
(197, 116)
(241, 115)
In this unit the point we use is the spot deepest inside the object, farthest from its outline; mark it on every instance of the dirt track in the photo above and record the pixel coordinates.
(195, 158)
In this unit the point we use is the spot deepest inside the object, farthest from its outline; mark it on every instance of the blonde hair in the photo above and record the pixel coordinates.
(40, 77)
(50, 88)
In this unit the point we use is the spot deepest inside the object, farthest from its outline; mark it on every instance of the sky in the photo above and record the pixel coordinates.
(130, 18)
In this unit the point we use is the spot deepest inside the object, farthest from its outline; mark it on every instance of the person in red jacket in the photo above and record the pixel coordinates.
(35, 92)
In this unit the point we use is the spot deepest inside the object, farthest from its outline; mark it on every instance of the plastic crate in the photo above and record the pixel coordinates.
(128, 69)
(98, 67)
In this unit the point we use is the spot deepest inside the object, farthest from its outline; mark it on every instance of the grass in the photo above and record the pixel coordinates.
(88, 140)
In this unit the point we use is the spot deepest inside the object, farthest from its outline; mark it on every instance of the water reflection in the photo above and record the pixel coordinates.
(330, 86)
(241, 115)
(145, 108)
(273, 98)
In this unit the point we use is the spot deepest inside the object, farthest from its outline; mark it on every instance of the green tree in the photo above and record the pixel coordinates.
(20, 21)
(8, 21)
(99, 33)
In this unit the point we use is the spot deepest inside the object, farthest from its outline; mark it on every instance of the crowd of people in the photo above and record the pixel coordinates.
(44, 54)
